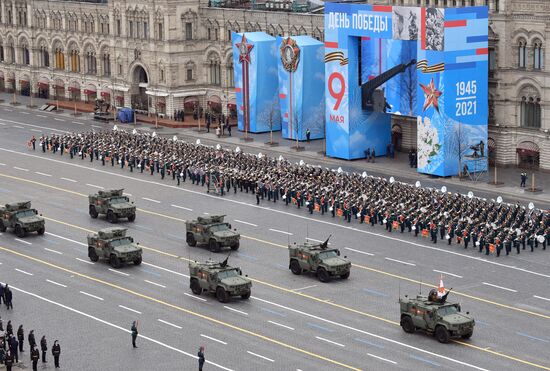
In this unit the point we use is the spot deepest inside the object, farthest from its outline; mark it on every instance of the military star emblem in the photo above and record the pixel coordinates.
(244, 50)
(432, 95)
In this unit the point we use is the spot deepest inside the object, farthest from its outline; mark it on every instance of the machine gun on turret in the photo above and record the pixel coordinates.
(372, 98)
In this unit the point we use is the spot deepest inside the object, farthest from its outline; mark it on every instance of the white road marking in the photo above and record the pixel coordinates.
(235, 310)
(382, 359)
(278, 231)
(43, 174)
(214, 339)
(69, 180)
(19, 127)
(260, 356)
(84, 261)
(247, 223)
(400, 261)
(165, 269)
(448, 274)
(90, 295)
(499, 287)
(24, 272)
(1, 123)
(380, 337)
(130, 309)
(281, 325)
(25, 113)
(150, 199)
(54, 251)
(93, 185)
(156, 284)
(2, 164)
(198, 193)
(193, 296)
(42, 116)
(359, 251)
(22, 241)
(97, 126)
(119, 272)
(330, 341)
(36, 130)
(169, 324)
(304, 288)
(35, 126)
(56, 119)
(125, 330)
(181, 207)
(56, 283)
(20, 168)
(78, 123)
(68, 239)
(7, 109)
(540, 297)
(205, 213)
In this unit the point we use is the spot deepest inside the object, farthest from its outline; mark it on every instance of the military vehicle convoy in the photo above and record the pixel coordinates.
(113, 245)
(22, 218)
(220, 279)
(113, 204)
(435, 316)
(212, 231)
(319, 259)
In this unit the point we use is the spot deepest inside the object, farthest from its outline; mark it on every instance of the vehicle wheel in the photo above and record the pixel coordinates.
(295, 267)
(19, 231)
(132, 217)
(111, 217)
(191, 240)
(246, 296)
(92, 255)
(322, 274)
(93, 212)
(41, 231)
(221, 295)
(235, 247)
(114, 261)
(2, 226)
(345, 276)
(137, 261)
(468, 335)
(407, 324)
(214, 246)
(441, 334)
(196, 287)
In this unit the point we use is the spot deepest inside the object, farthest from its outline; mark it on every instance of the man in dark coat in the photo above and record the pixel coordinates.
(201, 357)
(35, 356)
(8, 296)
(21, 337)
(32, 340)
(44, 347)
(8, 361)
(134, 334)
(56, 351)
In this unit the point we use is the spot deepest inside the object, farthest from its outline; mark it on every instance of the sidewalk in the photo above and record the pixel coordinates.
(398, 167)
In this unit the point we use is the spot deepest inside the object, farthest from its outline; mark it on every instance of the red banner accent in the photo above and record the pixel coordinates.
(105, 94)
(423, 28)
(331, 44)
(457, 23)
(89, 92)
(365, 37)
(382, 8)
(237, 90)
(481, 51)
(282, 96)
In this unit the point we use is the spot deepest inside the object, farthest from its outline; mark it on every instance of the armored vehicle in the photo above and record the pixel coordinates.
(435, 316)
(212, 231)
(318, 258)
(220, 279)
(113, 244)
(22, 218)
(112, 203)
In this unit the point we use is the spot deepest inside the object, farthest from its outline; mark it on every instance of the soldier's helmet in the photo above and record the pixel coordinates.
(432, 295)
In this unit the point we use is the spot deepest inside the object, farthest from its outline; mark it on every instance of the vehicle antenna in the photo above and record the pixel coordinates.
(420, 285)
(307, 232)
(399, 289)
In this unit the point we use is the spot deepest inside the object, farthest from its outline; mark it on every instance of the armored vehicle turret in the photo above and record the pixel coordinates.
(22, 218)
(114, 245)
(113, 204)
(318, 258)
(435, 316)
(220, 279)
(212, 231)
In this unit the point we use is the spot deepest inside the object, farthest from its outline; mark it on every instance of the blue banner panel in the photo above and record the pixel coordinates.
(256, 81)
(301, 82)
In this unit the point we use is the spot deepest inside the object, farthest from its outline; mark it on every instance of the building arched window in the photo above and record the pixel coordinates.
(214, 68)
(537, 56)
(59, 57)
(74, 55)
(530, 114)
(25, 55)
(44, 55)
(230, 73)
(189, 24)
(521, 54)
(106, 63)
(91, 61)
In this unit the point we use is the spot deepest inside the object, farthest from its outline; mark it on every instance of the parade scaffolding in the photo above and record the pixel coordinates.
(214, 183)
(478, 167)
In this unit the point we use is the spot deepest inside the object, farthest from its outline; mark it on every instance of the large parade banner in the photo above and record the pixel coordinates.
(446, 87)
(256, 82)
(301, 87)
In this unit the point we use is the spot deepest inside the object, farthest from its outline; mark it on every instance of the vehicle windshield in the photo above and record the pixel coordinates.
(228, 274)
(118, 200)
(445, 311)
(218, 227)
(327, 254)
(24, 213)
(121, 242)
